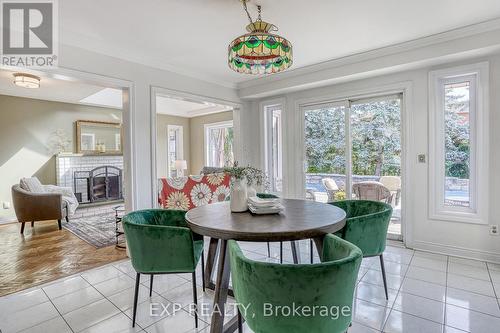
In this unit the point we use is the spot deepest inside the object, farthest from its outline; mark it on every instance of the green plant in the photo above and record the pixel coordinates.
(339, 196)
(235, 171)
(253, 176)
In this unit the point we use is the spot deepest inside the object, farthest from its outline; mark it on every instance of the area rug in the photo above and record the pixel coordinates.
(98, 230)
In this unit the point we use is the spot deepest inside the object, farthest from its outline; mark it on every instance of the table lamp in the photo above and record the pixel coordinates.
(180, 166)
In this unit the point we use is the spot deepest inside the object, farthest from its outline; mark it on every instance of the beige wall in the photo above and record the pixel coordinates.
(193, 136)
(162, 122)
(198, 137)
(26, 126)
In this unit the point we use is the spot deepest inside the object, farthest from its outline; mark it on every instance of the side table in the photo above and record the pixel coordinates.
(119, 234)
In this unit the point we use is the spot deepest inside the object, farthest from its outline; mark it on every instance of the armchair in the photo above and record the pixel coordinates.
(38, 206)
(329, 284)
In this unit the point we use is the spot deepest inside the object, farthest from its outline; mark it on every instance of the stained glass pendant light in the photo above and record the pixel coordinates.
(259, 51)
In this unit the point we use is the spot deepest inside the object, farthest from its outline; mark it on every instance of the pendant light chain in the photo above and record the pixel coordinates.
(246, 10)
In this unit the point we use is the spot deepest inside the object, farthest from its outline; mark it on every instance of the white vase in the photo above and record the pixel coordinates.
(238, 202)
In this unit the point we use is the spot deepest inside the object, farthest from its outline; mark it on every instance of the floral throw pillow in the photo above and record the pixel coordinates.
(185, 193)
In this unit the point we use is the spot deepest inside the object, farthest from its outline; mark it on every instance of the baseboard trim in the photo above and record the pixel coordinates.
(456, 251)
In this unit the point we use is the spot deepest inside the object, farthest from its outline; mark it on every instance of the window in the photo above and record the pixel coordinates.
(174, 147)
(219, 144)
(459, 144)
(273, 146)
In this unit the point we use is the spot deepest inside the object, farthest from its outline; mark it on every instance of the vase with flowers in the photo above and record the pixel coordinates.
(244, 181)
(238, 192)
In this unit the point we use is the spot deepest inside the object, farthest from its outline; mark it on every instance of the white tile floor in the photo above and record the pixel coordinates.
(428, 293)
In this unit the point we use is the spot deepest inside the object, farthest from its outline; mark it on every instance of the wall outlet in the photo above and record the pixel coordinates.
(6, 205)
(494, 229)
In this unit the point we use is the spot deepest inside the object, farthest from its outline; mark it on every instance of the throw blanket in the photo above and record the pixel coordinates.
(185, 193)
(67, 196)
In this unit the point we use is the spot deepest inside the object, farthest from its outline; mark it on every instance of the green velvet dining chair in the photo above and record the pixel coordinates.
(261, 288)
(160, 242)
(366, 227)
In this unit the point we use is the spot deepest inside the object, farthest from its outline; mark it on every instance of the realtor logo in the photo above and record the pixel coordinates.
(29, 31)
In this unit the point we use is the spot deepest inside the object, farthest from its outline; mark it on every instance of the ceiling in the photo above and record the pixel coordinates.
(62, 90)
(191, 37)
(186, 108)
(71, 91)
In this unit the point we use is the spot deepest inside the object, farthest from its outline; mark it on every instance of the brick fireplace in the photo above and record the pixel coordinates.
(98, 177)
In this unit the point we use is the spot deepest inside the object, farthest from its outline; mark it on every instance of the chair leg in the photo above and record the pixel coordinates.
(22, 228)
(240, 322)
(195, 300)
(203, 270)
(268, 250)
(383, 275)
(32, 224)
(67, 219)
(151, 286)
(136, 294)
(59, 223)
(281, 252)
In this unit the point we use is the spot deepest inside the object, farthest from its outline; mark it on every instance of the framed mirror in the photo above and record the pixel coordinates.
(98, 138)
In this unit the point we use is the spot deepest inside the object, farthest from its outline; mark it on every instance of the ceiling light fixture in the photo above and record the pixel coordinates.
(259, 51)
(26, 80)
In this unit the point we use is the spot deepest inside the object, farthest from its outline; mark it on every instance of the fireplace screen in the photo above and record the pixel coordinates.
(100, 184)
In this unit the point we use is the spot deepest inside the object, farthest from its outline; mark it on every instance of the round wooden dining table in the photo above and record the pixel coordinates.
(300, 219)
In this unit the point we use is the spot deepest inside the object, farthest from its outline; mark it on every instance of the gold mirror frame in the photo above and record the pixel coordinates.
(80, 123)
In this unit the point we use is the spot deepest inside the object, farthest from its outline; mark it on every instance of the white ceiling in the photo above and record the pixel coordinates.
(191, 37)
(61, 90)
(186, 108)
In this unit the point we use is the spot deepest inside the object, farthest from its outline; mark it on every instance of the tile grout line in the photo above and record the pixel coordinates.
(397, 294)
(55, 307)
(107, 299)
(493, 285)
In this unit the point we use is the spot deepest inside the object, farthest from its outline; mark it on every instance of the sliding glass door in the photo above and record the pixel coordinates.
(326, 172)
(376, 153)
(353, 150)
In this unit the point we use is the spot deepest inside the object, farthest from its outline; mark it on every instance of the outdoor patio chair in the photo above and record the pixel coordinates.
(393, 184)
(372, 190)
(331, 188)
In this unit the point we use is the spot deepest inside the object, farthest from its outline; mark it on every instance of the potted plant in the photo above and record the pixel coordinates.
(256, 178)
(243, 182)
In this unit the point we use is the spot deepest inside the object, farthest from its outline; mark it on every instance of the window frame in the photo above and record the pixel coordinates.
(267, 110)
(179, 145)
(206, 128)
(478, 76)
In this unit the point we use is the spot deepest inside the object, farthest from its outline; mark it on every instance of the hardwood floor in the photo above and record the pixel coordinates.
(44, 254)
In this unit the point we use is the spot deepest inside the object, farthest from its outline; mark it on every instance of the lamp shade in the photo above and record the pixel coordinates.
(180, 165)
(260, 51)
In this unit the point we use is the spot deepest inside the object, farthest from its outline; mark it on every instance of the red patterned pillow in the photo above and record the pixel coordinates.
(185, 193)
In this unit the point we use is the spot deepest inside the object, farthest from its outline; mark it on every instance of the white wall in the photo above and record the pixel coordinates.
(143, 78)
(469, 240)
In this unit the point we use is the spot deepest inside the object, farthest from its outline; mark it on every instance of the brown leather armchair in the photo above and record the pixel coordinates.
(31, 207)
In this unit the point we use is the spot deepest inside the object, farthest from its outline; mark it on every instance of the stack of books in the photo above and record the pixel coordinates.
(264, 206)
